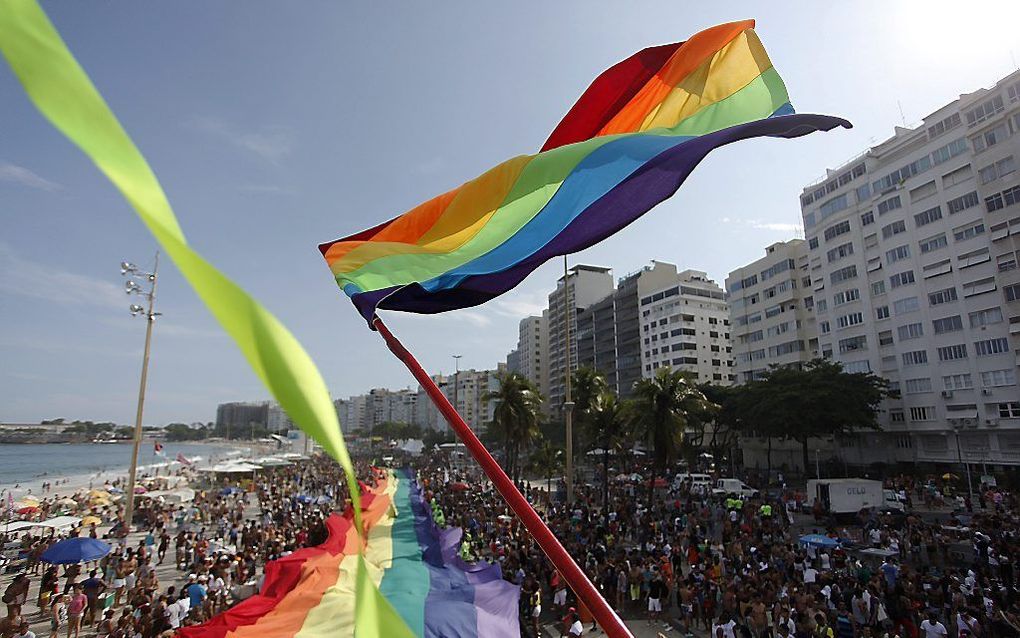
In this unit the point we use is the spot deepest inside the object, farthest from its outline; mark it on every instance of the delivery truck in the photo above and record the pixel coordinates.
(845, 496)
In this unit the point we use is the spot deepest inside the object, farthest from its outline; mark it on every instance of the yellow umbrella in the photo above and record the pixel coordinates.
(91, 520)
(99, 494)
(949, 477)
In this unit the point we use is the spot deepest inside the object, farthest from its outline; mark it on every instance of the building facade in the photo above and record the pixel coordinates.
(913, 252)
(771, 311)
(582, 286)
(686, 326)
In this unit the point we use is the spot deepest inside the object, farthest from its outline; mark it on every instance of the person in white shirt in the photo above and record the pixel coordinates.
(932, 628)
(810, 574)
(24, 631)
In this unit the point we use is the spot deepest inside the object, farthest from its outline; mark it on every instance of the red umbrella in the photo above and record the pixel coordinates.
(27, 510)
(458, 487)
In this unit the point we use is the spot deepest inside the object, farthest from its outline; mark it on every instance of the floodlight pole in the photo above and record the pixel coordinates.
(561, 560)
(150, 318)
(568, 404)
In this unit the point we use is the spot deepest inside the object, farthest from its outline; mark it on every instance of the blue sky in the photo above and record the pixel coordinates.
(276, 126)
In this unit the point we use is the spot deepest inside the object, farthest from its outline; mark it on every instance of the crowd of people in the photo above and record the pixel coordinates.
(681, 559)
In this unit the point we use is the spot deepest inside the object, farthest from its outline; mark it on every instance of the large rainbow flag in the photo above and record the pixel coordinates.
(628, 144)
(417, 567)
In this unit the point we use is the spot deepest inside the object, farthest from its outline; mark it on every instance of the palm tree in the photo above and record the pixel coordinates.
(545, 460)
(661, 410)
(607, 425)
(515, 419)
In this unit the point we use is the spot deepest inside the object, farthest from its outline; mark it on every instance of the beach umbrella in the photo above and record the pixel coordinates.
(115, 490)
(32, 509)
(140, 490)
(950, 477)
(458, 487)
(67, 502)
(27, 501)
(91, 520)
(818, 540)
(75, 550)
(99, 494)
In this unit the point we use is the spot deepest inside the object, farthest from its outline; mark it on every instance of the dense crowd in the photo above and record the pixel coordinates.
(680, 558)
(730, 566)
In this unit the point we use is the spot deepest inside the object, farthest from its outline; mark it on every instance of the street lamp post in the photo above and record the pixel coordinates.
(568, 404)
(818, 467)
(133, 288)
(959, 456)
(456, 379)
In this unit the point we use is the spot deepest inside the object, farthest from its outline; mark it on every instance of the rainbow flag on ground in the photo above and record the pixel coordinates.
(310, 593)
(628, 144)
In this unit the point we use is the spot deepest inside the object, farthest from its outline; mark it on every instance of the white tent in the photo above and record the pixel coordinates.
(180, 495)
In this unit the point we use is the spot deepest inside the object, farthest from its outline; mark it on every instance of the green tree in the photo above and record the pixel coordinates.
(608, 424)
(727, 424)
(545, 460)
(661, 410)
(515, 419)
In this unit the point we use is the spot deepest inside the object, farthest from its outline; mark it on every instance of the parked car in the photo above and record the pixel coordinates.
(725, 486)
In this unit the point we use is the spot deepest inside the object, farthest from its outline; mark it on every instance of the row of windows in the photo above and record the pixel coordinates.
(1005, 198)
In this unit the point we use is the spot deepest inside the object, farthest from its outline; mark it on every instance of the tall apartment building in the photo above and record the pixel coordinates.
(469, 398)
(426, 415)
(771, 316)
(686, 326)
(913, 251)
(533, 349)
(239, 416)
(608, 336)
(582, 286)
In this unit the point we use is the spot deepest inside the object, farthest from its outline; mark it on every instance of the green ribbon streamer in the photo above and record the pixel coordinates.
(63, 93)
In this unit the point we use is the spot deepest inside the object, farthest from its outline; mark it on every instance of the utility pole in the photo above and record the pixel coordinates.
(150, 318)
(959, 455)
(568, 404)
(456, 379)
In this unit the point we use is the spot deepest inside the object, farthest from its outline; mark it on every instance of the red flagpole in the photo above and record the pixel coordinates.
(578, 581)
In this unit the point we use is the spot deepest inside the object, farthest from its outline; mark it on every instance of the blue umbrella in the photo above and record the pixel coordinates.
(75, 550)
(818, 540)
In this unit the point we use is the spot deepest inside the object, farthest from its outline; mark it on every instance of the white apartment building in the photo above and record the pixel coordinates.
(913, 251)
(469, 397)
(582, 286)
(770, 311)
(533, 349)
(686, 326)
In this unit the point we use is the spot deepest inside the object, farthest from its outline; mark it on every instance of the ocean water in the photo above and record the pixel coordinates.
(33, 463)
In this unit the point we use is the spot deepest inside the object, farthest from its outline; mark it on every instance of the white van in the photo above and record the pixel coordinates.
(726, 486)
(695, 483)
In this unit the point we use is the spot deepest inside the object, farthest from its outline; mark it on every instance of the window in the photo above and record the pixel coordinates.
(901, 175)
(979, 286)
(985, 110)
(853, 343)
(989, 347)
(871, 241)
(947, 324)
(907, 305)
(970, 231)
(897, 254)
(963, 202)
(923, 191)
(890, 204)
(949, 151)
(1011, 292)
(901, 279)
(917, 386)
(897, 416)
(885, 338)
(989, 138)
(910, 331)
(877, 288)
(823, 327)
(958, 381)
(813, 243)
(868, 218)
(843, 274)
(922, 414)
(833, 206)
(915, 358)
(933, 243)
(1001, 200)
(985, 317)
(822, 305)
(998, 169)
(928, 216)
(857, 367)
(851, 319)
(1009, 410)
(882, 312)
(894, 228)
(839, 252)
(998, 378)
(959, 176)
(940, 127)
(846, 296)
(974, 257)
(841, 228)
(939, 297)
(953, 352)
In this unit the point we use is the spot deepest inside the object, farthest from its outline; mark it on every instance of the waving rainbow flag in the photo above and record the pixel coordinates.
(628, 144)
(311, 593)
